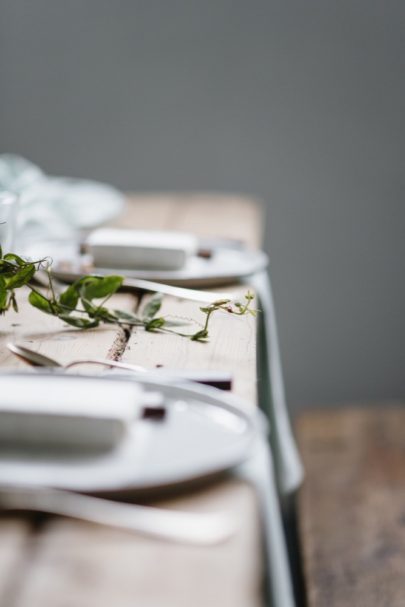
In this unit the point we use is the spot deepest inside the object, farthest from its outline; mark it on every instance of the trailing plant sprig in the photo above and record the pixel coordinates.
(83, 303)
(225, 305)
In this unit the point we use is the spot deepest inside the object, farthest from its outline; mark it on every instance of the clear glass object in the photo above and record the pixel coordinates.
(8, 214)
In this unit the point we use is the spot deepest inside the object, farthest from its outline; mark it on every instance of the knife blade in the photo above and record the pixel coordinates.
(149, 286)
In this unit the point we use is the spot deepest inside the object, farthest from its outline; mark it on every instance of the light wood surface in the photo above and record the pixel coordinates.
(352, 506)
(65, 563)
(219, 215)
(78, 564)
(231, 348)
(47, 335)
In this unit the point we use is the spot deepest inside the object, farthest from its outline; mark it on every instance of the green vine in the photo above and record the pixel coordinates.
(82, 304)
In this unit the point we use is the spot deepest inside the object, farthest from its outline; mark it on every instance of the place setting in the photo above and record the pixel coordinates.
(177, 263)
(166, 256)
(84, 446)
(116, 438)
(60, 219)
(97, 445)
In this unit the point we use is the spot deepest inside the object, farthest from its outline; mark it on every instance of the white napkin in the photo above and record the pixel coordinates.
(288, 466)
(55, 207)
(151, 249)
(70, 412)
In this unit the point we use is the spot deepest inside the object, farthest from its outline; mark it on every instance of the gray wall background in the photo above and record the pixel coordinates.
(297, 102)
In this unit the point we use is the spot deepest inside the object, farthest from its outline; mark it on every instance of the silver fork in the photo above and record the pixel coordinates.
(202, 529)
(217, 379)
(40, 360)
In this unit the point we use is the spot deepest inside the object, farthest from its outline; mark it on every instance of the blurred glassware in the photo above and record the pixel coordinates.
(8, 214)
(55, 207)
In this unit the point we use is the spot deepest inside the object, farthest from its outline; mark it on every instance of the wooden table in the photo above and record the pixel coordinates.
(352, 506)
(64, 563)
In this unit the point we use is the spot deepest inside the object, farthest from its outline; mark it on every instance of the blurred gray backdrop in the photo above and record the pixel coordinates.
(297, 102)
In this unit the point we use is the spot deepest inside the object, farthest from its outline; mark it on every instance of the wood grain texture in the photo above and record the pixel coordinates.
(212, 215)
(82, 565)
(352, 506)
(231, 346)
(51, 337)
(15, 539)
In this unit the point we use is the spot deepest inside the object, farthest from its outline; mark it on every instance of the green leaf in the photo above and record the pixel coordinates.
(69, 298)
(155, 323)
(16, 259)
(206, 310)
(96, 287)
(220, 302)
(3, 300)
(152, 307)
(200, 335)
(13, 302)
(41, 302)
(88, 306)
(176, 323)
(79, 323)
(105, 315)
(99, 312)
(21, 277)
(124, 315)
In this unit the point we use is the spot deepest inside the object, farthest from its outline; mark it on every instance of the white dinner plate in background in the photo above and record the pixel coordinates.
(226, 265)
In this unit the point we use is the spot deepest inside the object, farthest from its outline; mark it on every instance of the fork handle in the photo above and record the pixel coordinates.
(203, 529)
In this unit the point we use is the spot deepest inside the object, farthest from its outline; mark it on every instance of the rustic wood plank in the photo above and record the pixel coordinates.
(231, 347)
(352, 506)
(236, 217)
(14, 542)
(84, 565)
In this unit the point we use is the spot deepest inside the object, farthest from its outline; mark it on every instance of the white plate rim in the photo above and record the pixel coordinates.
(251, 415)
(256, 261)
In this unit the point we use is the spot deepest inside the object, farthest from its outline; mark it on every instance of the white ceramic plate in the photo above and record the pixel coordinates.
(225, 266)
(205, 432)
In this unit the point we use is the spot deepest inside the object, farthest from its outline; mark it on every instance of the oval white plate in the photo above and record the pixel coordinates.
(225, 266)
(205, 432)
